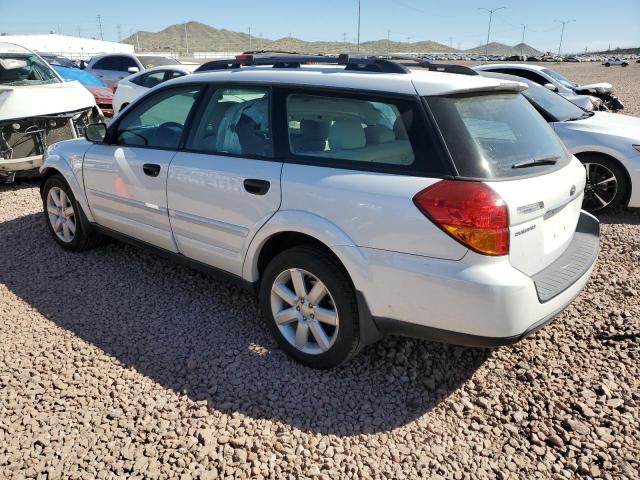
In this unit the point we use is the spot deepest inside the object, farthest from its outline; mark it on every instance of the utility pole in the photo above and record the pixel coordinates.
(388, 41)
(260, 41)
(79, 32)
(249, 38)
(119, 27)
(344, 39)
(563, 22)
(186, 38)
(524, 27)
(358, 25)
(491, 12)
(99, 17)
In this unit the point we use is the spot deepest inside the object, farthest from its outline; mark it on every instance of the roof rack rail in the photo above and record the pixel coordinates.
(367, 63)
(354, 63)
(419, 62)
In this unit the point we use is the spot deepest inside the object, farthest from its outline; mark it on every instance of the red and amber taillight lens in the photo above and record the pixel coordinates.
(471, 212)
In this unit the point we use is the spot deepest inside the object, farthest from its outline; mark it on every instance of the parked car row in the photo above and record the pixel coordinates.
(279, 171)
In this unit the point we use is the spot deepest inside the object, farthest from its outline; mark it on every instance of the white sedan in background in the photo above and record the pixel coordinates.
(607, 144)
(133, 86)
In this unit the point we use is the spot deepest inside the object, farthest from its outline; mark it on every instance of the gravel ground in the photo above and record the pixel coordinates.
(116, 363)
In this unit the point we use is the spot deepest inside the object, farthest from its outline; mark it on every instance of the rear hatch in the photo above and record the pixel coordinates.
(498, 138)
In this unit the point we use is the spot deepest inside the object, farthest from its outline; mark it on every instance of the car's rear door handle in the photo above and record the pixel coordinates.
(151, 169)
(256, 186)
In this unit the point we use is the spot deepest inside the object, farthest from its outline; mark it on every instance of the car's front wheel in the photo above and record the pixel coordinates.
(64, 217)
(310, 307)
(607, 184)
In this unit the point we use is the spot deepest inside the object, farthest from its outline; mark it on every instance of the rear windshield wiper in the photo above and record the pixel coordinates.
(536, 163)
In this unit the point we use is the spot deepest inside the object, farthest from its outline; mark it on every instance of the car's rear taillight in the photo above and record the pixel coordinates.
(470, 212)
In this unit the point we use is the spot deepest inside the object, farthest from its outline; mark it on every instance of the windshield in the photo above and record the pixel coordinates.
(150, 61)
(559, 78)
(18, 69)
(493, 135)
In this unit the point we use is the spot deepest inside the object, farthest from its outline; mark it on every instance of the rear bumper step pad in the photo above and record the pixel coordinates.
(574, 262)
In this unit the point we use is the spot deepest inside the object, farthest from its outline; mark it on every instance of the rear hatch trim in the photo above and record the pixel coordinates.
(573, 263)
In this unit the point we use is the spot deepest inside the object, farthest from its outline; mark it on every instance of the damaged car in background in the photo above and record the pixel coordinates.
(37, 108)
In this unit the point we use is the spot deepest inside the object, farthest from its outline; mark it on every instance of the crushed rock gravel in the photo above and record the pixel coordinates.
(116, 363)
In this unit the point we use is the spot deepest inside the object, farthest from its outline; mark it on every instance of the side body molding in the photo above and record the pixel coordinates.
(320, 228)
(66, 158)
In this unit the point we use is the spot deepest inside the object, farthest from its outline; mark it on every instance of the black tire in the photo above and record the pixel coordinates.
(327, 269)
(601, 168)
(607, 64)
(84, 237)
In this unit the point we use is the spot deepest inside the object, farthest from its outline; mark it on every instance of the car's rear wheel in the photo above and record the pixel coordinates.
(607, 64)
(64, 217)
(607, 183)
(310, 307)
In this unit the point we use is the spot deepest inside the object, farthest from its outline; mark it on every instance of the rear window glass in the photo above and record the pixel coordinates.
(150, 61)
(497, 135)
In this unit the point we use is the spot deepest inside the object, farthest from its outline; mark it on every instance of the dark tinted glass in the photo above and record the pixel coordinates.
(488, 134)
(109, 63)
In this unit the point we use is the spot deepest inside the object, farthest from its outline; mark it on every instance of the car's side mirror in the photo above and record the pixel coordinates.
(551, 86)
(96, 132)
(133, 69)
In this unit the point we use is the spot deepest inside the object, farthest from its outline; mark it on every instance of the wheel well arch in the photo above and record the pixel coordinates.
(48, 172)
(584, 155)
(282, 241)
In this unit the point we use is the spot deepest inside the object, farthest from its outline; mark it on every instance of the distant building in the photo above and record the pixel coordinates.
(67, 46)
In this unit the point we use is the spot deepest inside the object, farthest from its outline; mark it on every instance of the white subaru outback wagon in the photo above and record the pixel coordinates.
(358, 197)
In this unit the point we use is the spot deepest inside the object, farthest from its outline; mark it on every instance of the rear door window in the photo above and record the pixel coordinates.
(360, 131)
(495, 135)
(235, 121)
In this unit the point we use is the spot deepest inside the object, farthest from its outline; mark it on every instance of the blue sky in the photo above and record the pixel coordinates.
(455, 22)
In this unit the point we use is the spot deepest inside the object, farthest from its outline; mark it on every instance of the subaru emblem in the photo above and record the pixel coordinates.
(572, 191)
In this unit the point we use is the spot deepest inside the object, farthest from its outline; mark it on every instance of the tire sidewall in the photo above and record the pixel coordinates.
(343, 295)
(58, 181)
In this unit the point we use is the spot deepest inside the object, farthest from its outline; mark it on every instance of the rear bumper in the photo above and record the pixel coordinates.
(477, 301)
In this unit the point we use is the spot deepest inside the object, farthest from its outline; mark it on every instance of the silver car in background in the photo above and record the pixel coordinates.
(607, 144)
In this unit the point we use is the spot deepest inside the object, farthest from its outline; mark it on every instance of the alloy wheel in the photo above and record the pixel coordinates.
(601, 187)
(61, 214)
(304, 311)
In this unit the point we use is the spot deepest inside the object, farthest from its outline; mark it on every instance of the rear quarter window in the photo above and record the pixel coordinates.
(490, 135)
(362, 132)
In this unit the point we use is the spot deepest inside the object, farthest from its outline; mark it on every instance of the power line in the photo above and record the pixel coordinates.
(491, 12)
(563, 22)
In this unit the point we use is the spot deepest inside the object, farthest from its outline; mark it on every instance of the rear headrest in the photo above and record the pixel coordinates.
(400, 130)
(346, 135)
(379, 134)
(314, 130)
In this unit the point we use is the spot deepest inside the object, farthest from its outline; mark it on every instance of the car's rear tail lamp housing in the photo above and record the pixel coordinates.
(470, 212)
